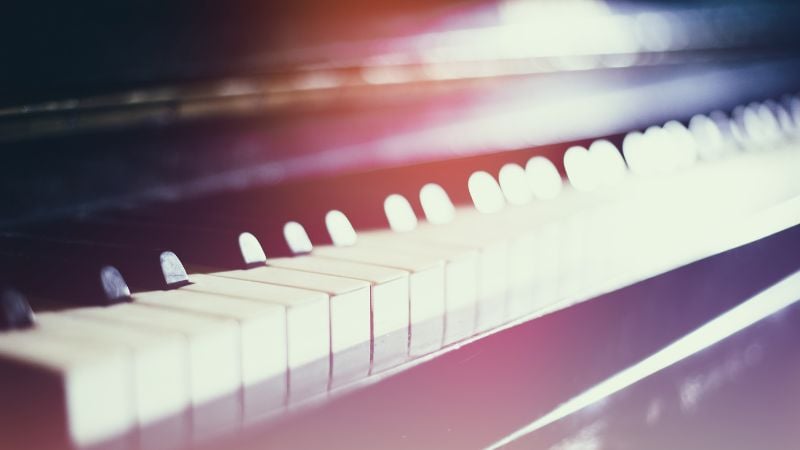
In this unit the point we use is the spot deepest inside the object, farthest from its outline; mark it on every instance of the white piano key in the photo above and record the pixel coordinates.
(389, 297)
(472, 269)
(460, 267)
(457, 243)
(307, 326)
(161, 370)
(460, 276)
(545, 273)
(574, 233)
(539, 230)
(59, 390)
(426, 289)
(460, 264)
(532, 226)
(491, 268)
(214, 358)
(349, 314)
(521, 273)
(262, 334)
(507, 267)
(488, 199)
(492, 284)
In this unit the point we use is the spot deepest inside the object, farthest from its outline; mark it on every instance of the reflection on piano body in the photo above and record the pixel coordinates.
(290, 240)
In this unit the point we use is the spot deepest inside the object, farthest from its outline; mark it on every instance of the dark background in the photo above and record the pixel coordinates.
(52, 49)
(58, 49)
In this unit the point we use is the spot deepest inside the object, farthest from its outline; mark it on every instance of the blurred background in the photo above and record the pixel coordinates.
(126, 102)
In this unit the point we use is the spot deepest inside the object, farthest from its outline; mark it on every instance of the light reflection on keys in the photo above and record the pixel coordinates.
(160, 372)
(492, 264)
(426, 289)
(427, 280)
(526, 252)
(471, 271)
(262, 340)
(491, 255)
(307, 327)
(389, 296)
(349, 314)
(461, 265)
(214, 358)
(82, 391)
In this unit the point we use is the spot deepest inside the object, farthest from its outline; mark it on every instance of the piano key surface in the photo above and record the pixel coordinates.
(307, 326)
(161, 373)
(389, 302)
(262, 338)
(520, 375)
(215, 366)
(461, 277)
(78, 392)
(426, 290)
(348, 303)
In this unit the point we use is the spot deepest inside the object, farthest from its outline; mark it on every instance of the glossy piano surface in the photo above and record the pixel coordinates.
(740, 393)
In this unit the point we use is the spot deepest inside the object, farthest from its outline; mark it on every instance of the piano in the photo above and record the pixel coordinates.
(421, 224)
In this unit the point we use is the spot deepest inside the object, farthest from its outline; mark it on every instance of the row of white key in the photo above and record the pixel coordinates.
(246, 340)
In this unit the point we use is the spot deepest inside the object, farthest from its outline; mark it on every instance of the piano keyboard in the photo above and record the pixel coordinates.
(167, 346)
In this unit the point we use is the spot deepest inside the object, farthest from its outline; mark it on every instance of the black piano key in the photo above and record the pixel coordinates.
(193, 219)
(198, 245)
(85, 272)
(263, 210)
(53, 281)
(15, 311)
